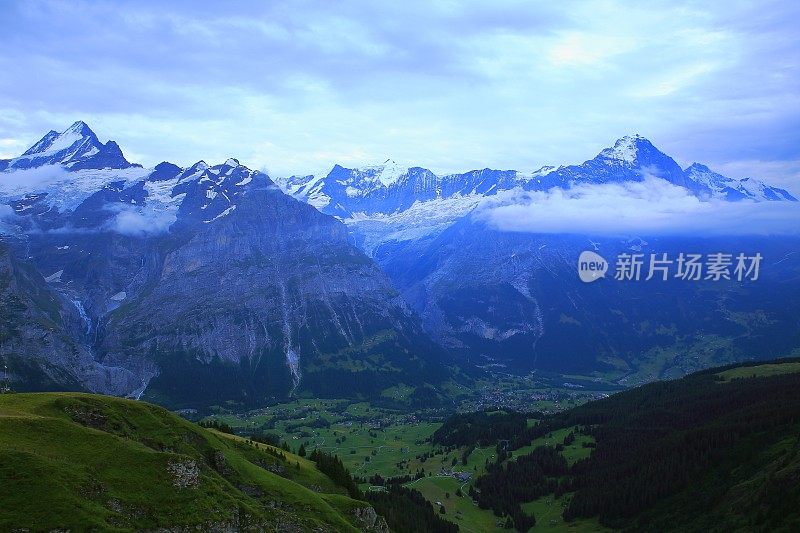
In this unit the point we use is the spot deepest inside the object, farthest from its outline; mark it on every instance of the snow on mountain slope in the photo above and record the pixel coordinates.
(306, 188)
(756, 189)
(55, 176)
(65, 168)
(75, 148)
(390, 203)
(389, 172)
(625, 149)
(706, 182)
(64, 190)
(421, 220)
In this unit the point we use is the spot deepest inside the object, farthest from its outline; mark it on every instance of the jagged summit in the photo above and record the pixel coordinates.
(75, 148)
(77, 134)
(79, 127)
(706, 183)
(630, 149)
(699, 167)
(164, 170)
(383, 174)
(201, 168)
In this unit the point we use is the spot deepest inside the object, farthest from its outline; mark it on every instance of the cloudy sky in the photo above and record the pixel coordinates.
(295, 87)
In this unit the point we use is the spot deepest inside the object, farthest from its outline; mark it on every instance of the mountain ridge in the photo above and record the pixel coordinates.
(208, 283)
(345, 192)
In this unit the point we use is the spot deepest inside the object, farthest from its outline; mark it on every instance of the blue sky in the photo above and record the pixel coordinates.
(296, 87)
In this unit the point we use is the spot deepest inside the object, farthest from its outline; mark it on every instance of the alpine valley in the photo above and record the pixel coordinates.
(380, 349)
(197, 286)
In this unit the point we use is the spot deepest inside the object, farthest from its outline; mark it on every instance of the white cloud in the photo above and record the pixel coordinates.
(673, 81)
(22, 181)
(582, 49)
(10, 148)
(140, 222)
(650, 207)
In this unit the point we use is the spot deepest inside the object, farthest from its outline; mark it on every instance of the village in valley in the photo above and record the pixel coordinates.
(381, 445)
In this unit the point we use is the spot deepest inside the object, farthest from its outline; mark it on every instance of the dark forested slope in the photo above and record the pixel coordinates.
(717, 450)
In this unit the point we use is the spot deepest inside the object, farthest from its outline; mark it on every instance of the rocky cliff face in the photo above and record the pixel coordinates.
(209, 284)
(267, 298)
(43, 336)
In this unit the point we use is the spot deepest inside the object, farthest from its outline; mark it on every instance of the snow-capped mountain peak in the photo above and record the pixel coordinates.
(706, 183)
(75, 148)
(391, 202)
(544, 170)
(73, 165)
(627, 148)
(704, 175)
(699, 167)
(43, 144)
(387, 172)
(78, 137)
(754, 188)
(80, 128)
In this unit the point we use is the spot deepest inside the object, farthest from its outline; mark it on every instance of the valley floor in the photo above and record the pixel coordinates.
(375, 441)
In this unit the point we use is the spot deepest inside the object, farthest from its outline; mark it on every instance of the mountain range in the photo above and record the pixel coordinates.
(390, 188)
(511, 299)
(190, 286)
(212, 283)
(387, 202)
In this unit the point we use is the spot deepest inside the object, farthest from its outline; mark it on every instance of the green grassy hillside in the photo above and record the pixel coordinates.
(80, 461)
